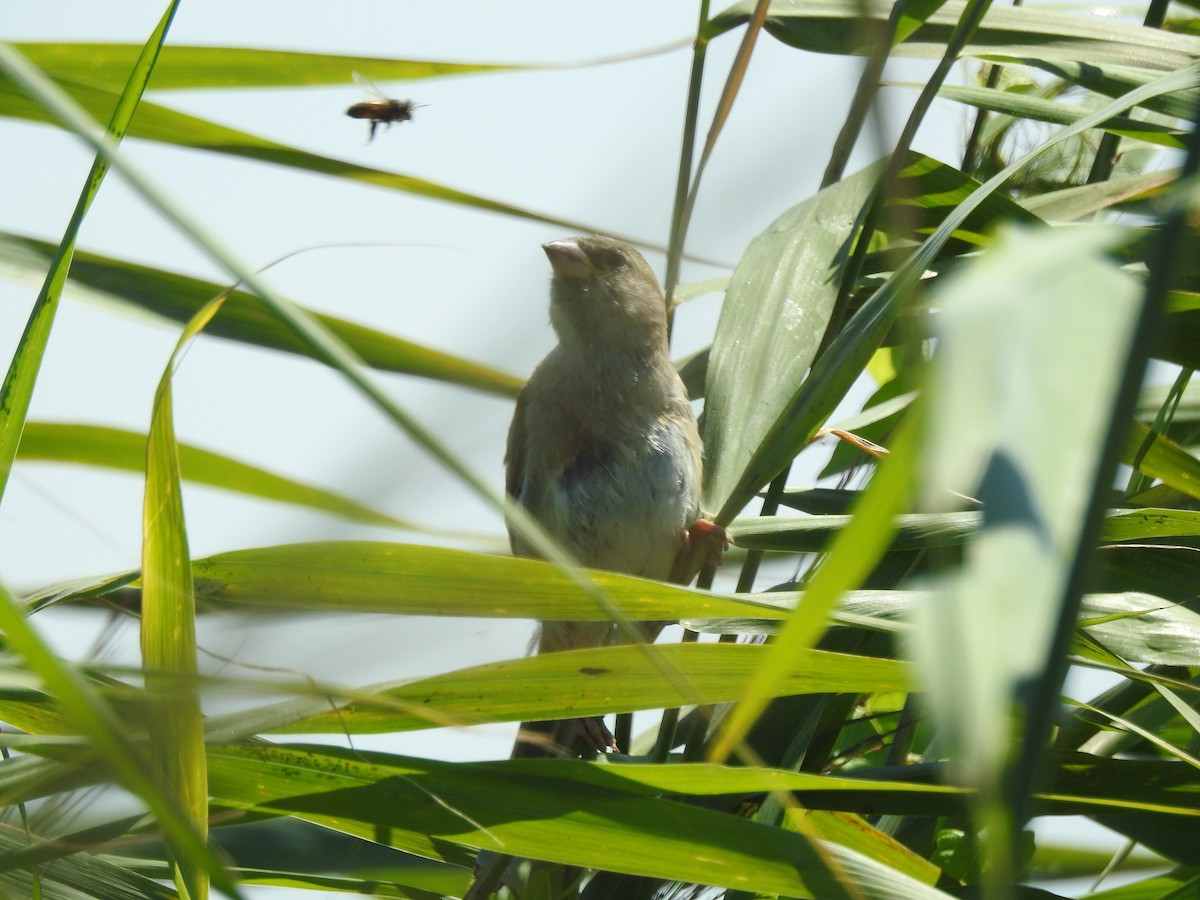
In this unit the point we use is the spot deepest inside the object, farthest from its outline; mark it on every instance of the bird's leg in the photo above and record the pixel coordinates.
(703, 543)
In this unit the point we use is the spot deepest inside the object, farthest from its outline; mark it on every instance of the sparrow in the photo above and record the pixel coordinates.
(603, 449)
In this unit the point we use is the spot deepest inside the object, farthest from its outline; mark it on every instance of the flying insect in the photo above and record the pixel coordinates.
(379, 108)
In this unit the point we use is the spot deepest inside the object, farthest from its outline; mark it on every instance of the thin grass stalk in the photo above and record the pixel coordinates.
(17, 390)
(686, 150)
(1106, 154)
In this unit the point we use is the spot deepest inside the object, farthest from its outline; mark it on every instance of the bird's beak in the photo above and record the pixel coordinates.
(568, 259)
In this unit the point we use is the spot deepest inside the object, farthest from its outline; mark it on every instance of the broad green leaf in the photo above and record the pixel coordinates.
(775, 313)
(614, 679)
(434, 809)
(75, 876)
(162, 124)
(234, 67)
(409, 579)
(1160, 457)
(837, 26)
(168, 624)
(244, 317)
(93, 718)
(1031, 353)
(95, 445)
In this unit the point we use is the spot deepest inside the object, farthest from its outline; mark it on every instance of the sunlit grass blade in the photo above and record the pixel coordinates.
(160, 123)
(854, 553)
(438, 809)
(179, 297)
(116, 448)
(618, 679)
(17, 389)
(168, 624)
(184, 67)
(1012, 422)
(790, 274)
(836, 26)
(107, 735)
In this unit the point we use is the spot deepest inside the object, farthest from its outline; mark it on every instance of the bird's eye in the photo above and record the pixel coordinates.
(609, 260)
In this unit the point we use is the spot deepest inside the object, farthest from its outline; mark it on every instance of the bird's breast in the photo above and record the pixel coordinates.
(622, 504)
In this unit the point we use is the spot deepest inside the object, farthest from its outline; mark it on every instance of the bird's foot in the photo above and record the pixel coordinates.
(594, 732)
(703, 543)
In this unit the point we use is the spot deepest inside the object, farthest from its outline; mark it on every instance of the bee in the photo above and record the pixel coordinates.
(379, 108)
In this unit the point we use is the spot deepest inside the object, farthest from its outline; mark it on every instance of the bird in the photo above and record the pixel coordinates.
(603, 450)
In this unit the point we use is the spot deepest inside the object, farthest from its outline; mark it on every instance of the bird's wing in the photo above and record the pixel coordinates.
(514, 454)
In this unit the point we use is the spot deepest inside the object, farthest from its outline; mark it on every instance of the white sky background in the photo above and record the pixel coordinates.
(598, 145)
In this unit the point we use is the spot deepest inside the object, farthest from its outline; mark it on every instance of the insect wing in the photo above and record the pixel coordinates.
(369, 87)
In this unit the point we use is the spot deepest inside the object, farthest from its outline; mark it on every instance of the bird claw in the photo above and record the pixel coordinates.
(593, 731)
(707, 532)
(702, 544)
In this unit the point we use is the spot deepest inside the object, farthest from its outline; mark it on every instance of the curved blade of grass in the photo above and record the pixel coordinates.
(1014, 421)
(115, 448)
(618, 679)
(433, 809)
(775, 313)
(107, 735)
(17, 389)
(168, 624)
(235, 67)
(1041, 109)
(1113, 81)
(836, 26)
(855, 552)
(164, 125)
(179, 297)
(410, 579)
(1160, 457)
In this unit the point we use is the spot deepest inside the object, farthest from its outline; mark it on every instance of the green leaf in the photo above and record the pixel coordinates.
(1031, 353)
(1041, 109)
(162, 124)
(17, 389)
(775, 313)
(836, 26)
(168, 625)
(233, 67)
(95, 445)
(244, 317)
(588, 682)
(1160, 457)
(434, 809)
(409, 579)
